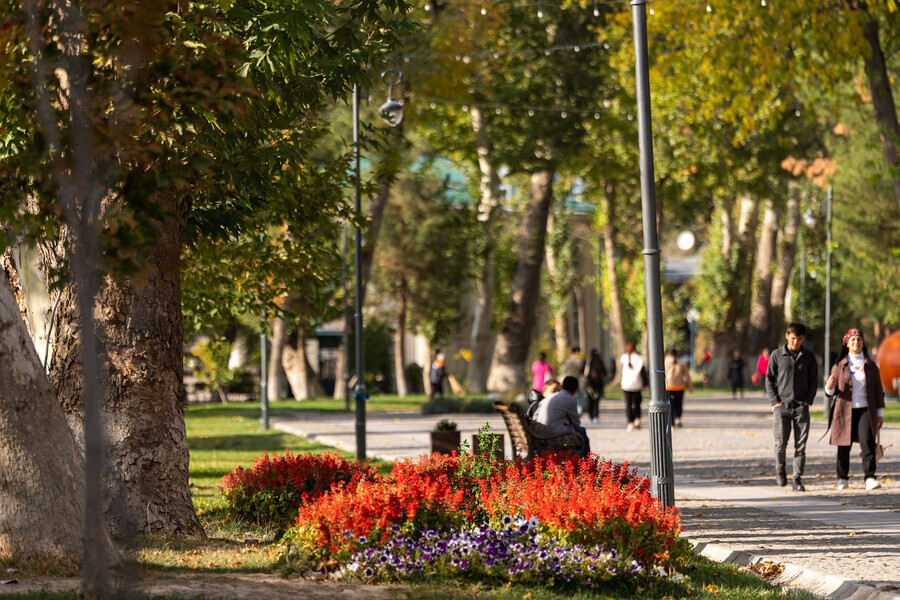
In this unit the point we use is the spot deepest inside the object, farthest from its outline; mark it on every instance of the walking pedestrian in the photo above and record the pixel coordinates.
(595, 380)
(574, 367)
(791, 382)
(736, 374)
(762, 363)
(438, 373)
(857, 409)
(678, 378)
(541, 372)
(634, 379)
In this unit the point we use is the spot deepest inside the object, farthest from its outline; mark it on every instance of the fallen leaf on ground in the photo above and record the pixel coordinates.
(767, 569)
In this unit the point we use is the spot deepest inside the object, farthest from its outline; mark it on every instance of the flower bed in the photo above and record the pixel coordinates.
(270, 492)
(556, 519)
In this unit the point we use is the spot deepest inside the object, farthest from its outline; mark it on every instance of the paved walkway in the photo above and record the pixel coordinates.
(837, 544)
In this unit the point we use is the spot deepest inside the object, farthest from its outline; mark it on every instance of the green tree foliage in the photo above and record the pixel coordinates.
(218, 102)
(425, 249)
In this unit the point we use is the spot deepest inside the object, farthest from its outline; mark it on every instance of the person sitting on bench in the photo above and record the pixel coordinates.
(558, 414)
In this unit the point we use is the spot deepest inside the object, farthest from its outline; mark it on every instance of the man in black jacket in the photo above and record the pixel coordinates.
(791, 382)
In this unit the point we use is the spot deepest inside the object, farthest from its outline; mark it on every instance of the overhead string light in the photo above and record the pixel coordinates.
(499, 109)
(496, 54)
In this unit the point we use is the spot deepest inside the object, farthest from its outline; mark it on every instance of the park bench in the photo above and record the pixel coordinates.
(526, 444)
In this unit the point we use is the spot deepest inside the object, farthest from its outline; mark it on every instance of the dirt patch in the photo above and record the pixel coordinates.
(221, 587)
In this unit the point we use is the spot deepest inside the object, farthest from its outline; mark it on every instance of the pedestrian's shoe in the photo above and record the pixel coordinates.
(872, 484)
(677, 422)
(843, 484)
(798, 485)
(630, 427)
(781, 479)
(637, 423)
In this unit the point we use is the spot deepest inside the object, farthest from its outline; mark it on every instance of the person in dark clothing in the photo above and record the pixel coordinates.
(791, 383)
(595, 380)
(438, 373)
(736, 375)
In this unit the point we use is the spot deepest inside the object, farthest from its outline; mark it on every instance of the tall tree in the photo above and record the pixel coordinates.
(424, 263)
(201, 115)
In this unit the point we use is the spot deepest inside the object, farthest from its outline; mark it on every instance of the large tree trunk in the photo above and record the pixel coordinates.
(759, 333)
(748, 223)
(787, 253)
(301, 377)
(558, 296)
(143, 395)
(341, 389)
(274, 389)
(482, 340)
(42, 487)
(399, 337)
(514, 339)
(882, 97)
(616, 316)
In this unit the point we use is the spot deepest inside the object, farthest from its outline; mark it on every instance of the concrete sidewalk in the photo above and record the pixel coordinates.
(836, 544)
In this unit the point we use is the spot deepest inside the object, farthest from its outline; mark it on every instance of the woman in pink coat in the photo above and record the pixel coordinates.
(857, 411)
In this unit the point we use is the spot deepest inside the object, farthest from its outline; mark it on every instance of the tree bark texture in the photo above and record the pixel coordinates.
(558, 308)
(340, 384)
(617, 319)
(758, 332)
(748, 223)
(399, 335)
(787, 254)
(882, 99)
(513, 341)
(301, 377)
(142, 388)
(482, 340)
(274, 390)
(42, 487)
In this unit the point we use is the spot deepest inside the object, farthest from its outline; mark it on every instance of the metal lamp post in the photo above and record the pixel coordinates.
(826, 362)
(392, 111)
(661, 467)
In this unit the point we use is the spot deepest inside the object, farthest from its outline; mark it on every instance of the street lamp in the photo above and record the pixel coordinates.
(826, 363)
(392, 110)
(661, 464)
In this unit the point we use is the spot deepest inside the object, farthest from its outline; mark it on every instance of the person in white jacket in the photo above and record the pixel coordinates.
(633, 381)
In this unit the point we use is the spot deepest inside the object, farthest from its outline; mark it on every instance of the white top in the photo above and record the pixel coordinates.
(856, 363)
(631, 376)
